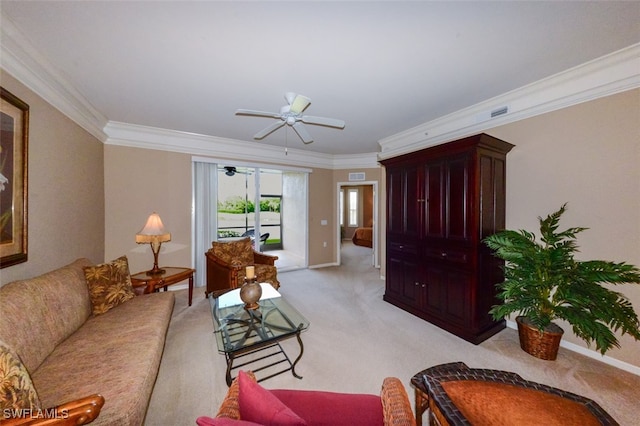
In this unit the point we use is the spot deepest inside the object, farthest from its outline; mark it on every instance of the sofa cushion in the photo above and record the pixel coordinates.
(39, 313)
(322, 408)
(109, 284)
(239, 252)
(116, 354)
(260, 406)
(16, 388)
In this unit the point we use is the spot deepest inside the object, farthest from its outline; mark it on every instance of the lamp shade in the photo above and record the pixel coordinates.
(153, 231)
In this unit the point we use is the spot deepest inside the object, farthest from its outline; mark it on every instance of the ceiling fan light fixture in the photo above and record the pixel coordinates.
(300, 103)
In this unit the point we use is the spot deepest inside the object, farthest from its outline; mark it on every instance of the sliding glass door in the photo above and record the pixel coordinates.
(269, 205)
(245, 210)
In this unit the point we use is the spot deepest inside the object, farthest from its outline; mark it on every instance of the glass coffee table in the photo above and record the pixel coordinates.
(252, 337)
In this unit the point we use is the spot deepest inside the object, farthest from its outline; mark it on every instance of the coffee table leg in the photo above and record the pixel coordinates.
(229, 366)
(190, 288)
(293, 367)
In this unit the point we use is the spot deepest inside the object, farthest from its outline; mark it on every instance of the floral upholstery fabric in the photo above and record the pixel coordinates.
(16, 388)
(109, 284)
(264, 274)
(239, 252)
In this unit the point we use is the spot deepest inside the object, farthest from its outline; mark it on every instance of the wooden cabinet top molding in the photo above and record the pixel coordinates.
(481, 140)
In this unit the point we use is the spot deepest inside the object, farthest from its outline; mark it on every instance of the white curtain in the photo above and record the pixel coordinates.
(205, 200)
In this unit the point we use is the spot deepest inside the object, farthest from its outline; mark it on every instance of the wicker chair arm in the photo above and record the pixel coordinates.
(230, 407)
(396, 407)
(78, 412)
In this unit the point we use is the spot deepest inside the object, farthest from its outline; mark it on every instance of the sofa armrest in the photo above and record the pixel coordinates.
(78, 412)
(396, 407)
(264, 259)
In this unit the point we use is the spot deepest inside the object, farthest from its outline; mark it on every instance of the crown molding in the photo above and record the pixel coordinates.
(136, 136)
(604, 76)
(20, 59)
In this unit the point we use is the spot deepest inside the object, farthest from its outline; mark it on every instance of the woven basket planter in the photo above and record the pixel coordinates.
(543, 345)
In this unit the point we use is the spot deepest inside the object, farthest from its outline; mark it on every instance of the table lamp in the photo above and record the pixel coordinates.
(154, 234)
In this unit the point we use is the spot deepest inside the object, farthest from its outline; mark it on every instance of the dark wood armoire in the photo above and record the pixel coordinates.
(441, 202)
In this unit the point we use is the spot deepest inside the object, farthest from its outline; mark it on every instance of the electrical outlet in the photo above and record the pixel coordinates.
(324, 244)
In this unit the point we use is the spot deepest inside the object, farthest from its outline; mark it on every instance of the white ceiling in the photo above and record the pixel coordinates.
(383, 67)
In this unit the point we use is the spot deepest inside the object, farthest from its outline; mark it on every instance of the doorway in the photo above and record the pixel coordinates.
(357, 216)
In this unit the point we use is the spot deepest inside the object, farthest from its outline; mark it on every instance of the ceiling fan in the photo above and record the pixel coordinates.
(231, 171)
(291, 115)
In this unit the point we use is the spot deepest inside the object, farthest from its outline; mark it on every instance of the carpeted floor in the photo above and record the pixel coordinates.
(356, 340)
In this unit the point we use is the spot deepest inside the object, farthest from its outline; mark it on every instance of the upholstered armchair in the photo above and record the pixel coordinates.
(247, 403)
(226, 263)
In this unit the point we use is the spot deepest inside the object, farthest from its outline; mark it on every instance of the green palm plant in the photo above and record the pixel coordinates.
(544, 282)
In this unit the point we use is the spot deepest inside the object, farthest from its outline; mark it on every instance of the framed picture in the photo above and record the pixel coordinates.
(14, 129)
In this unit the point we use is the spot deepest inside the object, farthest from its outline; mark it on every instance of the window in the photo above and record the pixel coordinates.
(353, 207)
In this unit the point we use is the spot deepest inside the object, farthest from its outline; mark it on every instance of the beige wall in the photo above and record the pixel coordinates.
(588, 156)
(140, 181)
(322, 206)
(65, 190)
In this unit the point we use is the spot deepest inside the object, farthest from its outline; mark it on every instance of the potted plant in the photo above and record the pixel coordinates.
(543, 282)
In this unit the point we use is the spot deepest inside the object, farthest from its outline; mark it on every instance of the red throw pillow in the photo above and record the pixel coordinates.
(260, 406)
(330, 408)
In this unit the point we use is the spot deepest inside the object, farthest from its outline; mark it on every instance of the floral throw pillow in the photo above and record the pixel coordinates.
(16, 388)
(239, 252)
(109, 284)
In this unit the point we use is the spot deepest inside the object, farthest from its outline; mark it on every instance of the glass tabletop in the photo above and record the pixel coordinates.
(237, 328)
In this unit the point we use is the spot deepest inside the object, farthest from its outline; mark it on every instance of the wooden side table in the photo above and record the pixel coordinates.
(171, 275)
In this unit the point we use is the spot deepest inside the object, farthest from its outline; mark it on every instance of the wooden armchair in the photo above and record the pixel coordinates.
(226, 263)
(78, 412)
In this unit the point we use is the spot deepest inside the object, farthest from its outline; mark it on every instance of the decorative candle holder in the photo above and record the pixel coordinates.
(250, 293)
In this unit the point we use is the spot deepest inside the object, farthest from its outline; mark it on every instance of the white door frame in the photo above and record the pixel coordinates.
(374, 257)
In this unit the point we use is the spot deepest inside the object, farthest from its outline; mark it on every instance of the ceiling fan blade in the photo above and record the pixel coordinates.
(299, 104)
(302, 132)
(258, 113)
(264, 132)
(323, 121)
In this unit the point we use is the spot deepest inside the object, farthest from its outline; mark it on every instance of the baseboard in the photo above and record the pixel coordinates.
(591, 354)
(323, 265)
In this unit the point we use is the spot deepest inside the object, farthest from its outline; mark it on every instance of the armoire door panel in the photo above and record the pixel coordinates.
(395, 211)
(412, 202)
(456, 299)
(395, 276)
(434, 196)
(435, 281)
(456, 199)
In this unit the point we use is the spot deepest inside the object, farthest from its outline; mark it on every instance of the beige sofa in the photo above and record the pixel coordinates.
(72, 354)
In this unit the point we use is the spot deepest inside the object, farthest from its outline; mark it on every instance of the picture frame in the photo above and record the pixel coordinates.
(14, 137)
